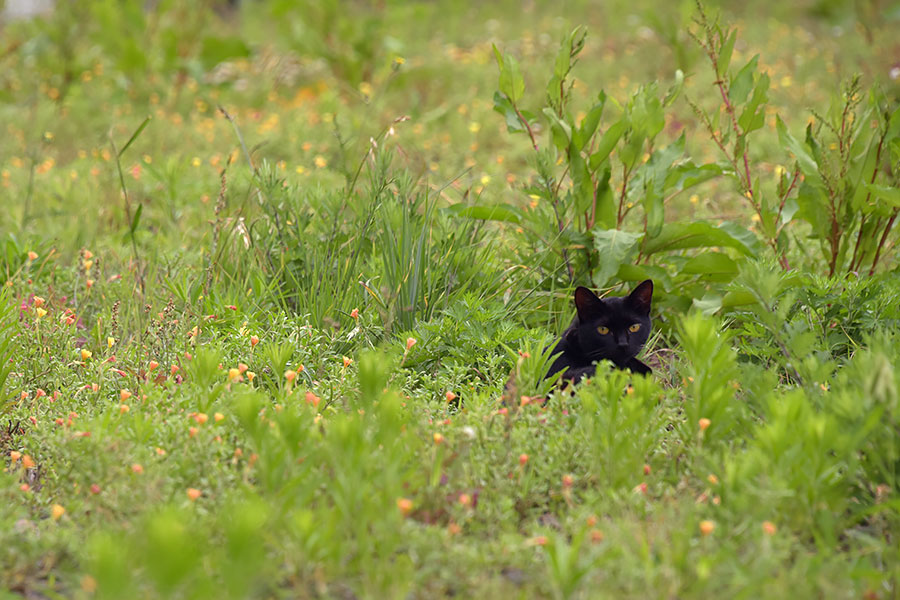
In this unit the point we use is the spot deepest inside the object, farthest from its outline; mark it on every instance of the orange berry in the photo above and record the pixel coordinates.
(769, 528)
(523, 458)
(438, 438)
(712, 479)
(465, 499)
(194, 493)
(592, 520)
(137, 469)
(405, 505)
(704, 423)
(646, 469)
(201, 418)
(57, 511)
(192, 431)
(160, 451)
(24, 487)
(596, 536)
(707, 527)
(567, 481)
(95, 489)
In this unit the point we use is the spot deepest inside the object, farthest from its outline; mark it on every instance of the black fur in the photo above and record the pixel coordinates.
(583, 344)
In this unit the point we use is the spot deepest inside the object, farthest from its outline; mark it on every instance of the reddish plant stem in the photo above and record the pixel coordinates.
(887, 229)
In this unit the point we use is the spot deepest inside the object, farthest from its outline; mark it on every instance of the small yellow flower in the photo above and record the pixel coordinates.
(218, 417)
(251, 376)
(320, 161)
(86, 354)
(704, 423)
(32, 255)
(40, 312)
(234, 374)
(57, 512)
(110, 342)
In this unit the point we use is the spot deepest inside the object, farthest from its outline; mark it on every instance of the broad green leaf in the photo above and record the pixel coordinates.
(813, 208)
(807, 164)
(606, 207)
(613, 248)
(713, 264)
(679, 236)
(582, 185)
(686, 175)
(885, 193)
(497, 212)
(511, 81)
(709, 304)
(608, 141)
(585, 131)
(503, 106)
(563, 130)
(742, 82)
(725, 53)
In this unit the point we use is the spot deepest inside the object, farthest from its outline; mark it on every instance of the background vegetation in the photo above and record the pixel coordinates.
(278, 279)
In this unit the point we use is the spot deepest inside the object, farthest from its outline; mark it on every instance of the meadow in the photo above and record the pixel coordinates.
(277, 281)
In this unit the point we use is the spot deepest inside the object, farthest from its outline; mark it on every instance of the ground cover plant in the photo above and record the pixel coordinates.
(278, 280)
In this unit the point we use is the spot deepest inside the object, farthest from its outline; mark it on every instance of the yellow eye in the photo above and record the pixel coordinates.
(603, 330)
(634, 327)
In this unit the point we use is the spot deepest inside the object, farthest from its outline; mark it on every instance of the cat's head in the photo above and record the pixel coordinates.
(613, 328)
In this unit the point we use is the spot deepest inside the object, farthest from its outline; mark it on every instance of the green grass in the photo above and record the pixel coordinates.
(294, 347)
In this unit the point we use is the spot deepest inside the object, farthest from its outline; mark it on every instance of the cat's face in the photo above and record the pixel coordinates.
(613, 328)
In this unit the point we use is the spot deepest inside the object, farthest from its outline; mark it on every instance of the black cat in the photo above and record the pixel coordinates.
(614, 329)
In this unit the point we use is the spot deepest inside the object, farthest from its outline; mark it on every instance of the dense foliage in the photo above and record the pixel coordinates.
(278, 279)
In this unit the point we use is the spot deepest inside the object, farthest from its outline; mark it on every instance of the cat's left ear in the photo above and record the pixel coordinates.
(641, 296)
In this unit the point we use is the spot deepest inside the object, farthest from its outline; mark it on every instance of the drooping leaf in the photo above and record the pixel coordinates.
(679, 236)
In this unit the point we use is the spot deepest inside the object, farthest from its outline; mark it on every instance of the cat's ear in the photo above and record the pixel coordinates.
(639, 299)
(588, 305)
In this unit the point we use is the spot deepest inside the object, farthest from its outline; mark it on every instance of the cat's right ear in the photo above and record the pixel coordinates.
(587, 304)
